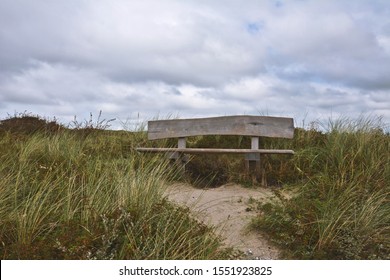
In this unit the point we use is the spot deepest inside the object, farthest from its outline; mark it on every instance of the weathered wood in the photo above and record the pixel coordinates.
(254, 146)
(255, 143)
(256, 171)
(181, 143)
(215, 151)
(179, 158)
(255, 126)
(229, 125)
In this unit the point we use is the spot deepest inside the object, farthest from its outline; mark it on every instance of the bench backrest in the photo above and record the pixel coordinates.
(229, 125)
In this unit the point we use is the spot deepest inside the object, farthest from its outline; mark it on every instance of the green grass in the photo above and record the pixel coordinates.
(339, 180)
(342, 206)
(86, 194)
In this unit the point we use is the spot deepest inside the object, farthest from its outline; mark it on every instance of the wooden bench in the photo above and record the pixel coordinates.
(253, 126)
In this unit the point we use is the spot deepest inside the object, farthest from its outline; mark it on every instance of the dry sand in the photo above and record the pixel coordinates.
(229, 209)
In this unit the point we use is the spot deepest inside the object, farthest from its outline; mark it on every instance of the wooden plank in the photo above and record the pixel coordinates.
(229, 125)
(215, 151)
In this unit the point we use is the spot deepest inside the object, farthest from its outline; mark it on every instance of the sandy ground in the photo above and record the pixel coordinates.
(229, 209)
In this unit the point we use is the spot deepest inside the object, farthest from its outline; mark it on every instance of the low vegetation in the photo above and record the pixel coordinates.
(332, 198)
(341, 203)
(82, 192)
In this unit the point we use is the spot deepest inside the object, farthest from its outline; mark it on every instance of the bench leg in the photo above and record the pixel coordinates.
(254, 164)
(255, 169)
(179, 160)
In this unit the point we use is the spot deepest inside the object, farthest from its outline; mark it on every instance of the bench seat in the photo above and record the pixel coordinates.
(215, 151)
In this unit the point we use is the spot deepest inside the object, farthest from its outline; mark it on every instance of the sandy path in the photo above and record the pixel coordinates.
(228, 209)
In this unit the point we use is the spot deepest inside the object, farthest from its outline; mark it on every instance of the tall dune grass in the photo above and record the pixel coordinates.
(77, 195)
(342, 210)
(86, 194)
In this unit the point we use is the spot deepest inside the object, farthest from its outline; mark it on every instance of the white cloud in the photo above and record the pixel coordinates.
(384, 43)
(194, 58)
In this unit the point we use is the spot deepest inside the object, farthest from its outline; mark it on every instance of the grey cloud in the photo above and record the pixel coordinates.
(172, 41)
(194, 57)
(42, 30)
(332, 44)
(333, 99)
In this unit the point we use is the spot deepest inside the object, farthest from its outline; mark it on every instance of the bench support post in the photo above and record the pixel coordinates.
(255, 143)
(253, 163)
(179, 158)
(181, 143)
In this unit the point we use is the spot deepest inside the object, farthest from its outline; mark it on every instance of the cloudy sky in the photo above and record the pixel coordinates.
(194, 58)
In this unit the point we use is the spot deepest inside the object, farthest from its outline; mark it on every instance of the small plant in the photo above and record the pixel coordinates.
(91, 124)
